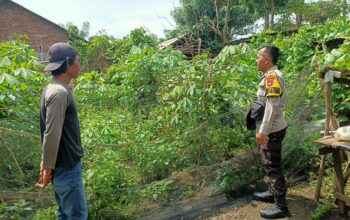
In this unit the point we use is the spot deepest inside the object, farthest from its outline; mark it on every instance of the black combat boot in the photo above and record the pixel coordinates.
(278, 210)
(266, 196)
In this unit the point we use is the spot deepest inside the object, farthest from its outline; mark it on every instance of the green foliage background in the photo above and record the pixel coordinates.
(146, 113)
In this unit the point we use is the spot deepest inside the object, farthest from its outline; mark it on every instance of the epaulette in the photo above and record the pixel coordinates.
(272, 85)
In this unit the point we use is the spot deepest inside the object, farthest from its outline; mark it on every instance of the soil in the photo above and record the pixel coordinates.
(300, 201)
(210, 206)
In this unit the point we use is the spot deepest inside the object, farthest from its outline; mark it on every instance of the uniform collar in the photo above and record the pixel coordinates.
(268, 71)
(271, 69)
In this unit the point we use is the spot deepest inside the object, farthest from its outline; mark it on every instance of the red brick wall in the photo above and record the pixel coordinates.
(41, 32)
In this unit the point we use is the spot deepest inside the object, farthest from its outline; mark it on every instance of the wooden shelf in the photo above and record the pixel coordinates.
(331, 141)
(344, 72)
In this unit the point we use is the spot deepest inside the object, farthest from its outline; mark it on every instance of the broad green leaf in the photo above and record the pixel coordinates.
(244, 48)
(2, 77)
(19, 59)
(23, 72)
(10, 79)
(17, 72)
(5, 62)
(175, 119)
(12, 97)
(191, 90)
(329, 58)
(336, 53)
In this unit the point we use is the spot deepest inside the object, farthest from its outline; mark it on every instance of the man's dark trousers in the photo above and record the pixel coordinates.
(271, 157)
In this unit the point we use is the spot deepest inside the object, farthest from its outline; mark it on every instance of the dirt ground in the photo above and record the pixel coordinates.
(300, 202)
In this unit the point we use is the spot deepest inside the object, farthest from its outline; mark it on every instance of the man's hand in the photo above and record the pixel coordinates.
(261, 139)
(45, 176)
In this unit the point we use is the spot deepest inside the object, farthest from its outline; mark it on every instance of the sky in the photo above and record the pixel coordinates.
(116, 17)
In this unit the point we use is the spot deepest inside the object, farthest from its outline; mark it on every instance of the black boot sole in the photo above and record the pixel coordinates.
(277, 216)
(267, 200)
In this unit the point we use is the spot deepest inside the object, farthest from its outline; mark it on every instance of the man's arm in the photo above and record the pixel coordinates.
(56, 105)
(44, 177)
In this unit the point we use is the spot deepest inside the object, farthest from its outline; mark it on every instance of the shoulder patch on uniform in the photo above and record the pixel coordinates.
(272, 85)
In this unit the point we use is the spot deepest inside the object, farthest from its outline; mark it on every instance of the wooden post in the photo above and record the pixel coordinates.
(339, 180)
(320, 177)
(326, 91)
(346, 172)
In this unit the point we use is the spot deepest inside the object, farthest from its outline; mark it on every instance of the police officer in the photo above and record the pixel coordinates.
(270, 132)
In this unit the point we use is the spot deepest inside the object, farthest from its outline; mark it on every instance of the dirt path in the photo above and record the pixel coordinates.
(300, 203)
(300, 209)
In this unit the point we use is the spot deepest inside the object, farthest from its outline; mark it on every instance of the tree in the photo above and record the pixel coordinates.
(74, 31)
(221, 26)
(216, 22)
(138, 37)
(298, 12)
(76, 39)
(85, 30)
(271, 8)
(96, 50)
(291, 15)
(322, 11)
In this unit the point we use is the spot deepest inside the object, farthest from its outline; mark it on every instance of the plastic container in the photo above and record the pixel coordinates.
(343, 133)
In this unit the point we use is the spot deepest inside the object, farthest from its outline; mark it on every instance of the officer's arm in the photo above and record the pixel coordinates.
(274, 89)
(271, 106)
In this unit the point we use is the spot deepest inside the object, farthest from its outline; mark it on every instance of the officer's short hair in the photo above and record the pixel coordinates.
(273, 51)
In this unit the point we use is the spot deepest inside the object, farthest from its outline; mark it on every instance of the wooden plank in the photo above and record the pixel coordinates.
(342, 145)
(344, 72)
(342, 80)
(331, 141)
(342, 197)
(346, 173)
(324, 151)
(338, 178)
(326, 140)
(320, 178)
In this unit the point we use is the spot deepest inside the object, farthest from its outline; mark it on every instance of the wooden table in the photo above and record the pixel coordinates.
(331, 145)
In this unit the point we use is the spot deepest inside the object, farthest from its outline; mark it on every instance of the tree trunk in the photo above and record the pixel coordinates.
(298, 19)
(216, 4)
(267, 15)
(215, 22)
(344, 8)
(226, 31)
(222, 31)
(272, 22)
(299, 13)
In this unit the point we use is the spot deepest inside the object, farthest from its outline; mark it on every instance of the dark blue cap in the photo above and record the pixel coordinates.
(58, 53)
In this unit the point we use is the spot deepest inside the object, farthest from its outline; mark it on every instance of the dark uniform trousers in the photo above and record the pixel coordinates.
(271, 157)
